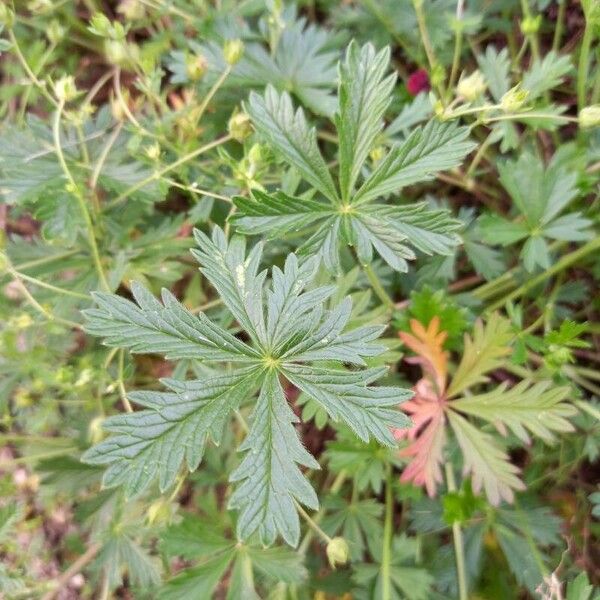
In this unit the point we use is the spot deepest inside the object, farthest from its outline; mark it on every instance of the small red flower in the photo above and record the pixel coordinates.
(418, 82)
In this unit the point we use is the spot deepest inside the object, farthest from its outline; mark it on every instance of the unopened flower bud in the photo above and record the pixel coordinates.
(65, 88)
(239, 126)
(531, 25)
(159, 512)
(337, 552)
(95, 432)
(233, 50)
(132, 10)
(257, 155)
(472, 86)
(589, 116)
(115, 52)
(195, 66)
(55, 32)
(153, 151)
(377, 153)
(513, 99)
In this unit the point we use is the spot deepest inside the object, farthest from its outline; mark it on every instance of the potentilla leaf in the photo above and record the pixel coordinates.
(287, 131)
(291, 334)
(269, 474)
(364, 95)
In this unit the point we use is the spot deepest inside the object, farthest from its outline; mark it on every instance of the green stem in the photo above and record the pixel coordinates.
(213, 90)
(563, 263)
(377, 286)
(334, 489)
(51, 287)
(533, 40)
(458, 542)
(312, 524)
(386, 554)
(458, 39)
(79, 197)
(161, 172)
(584, 60)
(429, 51)
(30, 74)
(560, 25)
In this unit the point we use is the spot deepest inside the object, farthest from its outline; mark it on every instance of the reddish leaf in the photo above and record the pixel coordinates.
(427, 437)
(428, 345)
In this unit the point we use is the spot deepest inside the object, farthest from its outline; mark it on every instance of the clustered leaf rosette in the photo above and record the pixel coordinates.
(288, 336)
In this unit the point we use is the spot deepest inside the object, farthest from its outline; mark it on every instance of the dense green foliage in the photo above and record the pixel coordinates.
(375, 375)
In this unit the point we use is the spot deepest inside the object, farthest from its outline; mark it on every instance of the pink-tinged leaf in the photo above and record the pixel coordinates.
(427, 438)
(428, 343)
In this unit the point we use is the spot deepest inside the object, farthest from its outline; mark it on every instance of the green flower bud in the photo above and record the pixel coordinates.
(159, 512)
(438, 75)
(589, 116)
(233, 50)
(377, 153)
(95, 431)
(472, 86)
(514, 99)
(257, 155)
(239, 126)
(195, 66)
(100, 25)
(132, 10)
(153, 151)
(115, 52)
(337, 552)
(65, 88)
(531, 25)
(55, 32)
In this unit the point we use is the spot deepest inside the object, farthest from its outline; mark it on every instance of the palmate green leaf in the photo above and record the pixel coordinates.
(271, 479)
(196, 540)
(364, 95)
(352, 219)
(291, 335)
(540, 194)
(289, 134)
(303, 62)
(427, 150)
(539, 408)
(405, 578)
(487, 462)
(546, 73)
(200, 581)
(356, 521)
